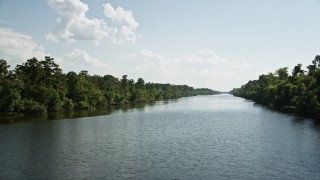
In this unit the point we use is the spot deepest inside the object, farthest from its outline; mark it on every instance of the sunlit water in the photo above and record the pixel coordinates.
(203, 137)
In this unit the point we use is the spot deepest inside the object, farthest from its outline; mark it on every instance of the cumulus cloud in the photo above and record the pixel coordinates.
(148, 61)
(129, 24)
(73, 24)
(17, 47)
(79, 59)
(201, 69)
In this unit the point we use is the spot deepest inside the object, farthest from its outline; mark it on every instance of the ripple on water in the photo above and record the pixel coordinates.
(203, 137)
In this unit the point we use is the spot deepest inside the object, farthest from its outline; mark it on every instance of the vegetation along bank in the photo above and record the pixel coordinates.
(39, 86)
(296, 92)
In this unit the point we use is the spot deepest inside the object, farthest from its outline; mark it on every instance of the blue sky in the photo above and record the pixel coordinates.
(205, 43)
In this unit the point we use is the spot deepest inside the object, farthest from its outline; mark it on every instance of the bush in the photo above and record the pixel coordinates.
(31, 107)
(68, 104)
(84, 105)
(288, 109)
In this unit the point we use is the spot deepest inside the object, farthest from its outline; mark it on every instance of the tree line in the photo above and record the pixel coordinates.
(296, 92)
(39, 86)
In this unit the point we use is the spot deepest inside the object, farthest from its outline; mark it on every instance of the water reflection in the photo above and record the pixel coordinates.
(99, 111)
(213, 137)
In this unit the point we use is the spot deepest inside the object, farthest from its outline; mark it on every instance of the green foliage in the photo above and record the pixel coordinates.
(9, 89)
(38, 86)
(206, 91)
(30, 107)
(298, 93)
(8, 99)
(68, 104)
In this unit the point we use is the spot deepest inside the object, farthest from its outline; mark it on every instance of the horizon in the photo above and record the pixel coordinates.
(208, 44)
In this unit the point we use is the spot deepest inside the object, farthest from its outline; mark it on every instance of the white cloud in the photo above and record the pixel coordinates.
(120, 15)
(81, 60)
(73, 24)
(147, 61)
(202, 69)
(17, 47)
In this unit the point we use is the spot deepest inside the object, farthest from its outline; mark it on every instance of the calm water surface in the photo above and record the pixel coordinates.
(203, 137)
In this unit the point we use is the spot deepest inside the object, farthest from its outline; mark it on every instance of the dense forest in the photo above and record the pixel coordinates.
(296, 92)
(39, 86)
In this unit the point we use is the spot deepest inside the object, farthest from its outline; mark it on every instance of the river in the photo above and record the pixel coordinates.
(201, 137)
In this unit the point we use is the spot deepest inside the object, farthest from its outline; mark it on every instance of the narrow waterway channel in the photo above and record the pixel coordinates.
(202, 137)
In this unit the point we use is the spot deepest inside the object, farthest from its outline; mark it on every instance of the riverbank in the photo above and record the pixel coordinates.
(298, 92)
(40, 86)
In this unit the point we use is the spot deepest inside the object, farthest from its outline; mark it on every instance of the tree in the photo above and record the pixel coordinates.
(282, 73)
(9, 89)
(298, 93)
(315, 64)
(4, 68)
(39, 86)
(297, 70)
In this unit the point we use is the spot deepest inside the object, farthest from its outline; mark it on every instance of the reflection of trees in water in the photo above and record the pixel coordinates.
(99, 111)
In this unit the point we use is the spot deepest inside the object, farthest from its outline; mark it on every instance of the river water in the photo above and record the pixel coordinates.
(202, 137)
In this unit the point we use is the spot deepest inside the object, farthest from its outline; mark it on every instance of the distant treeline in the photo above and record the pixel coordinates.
(297, 92)
(41, 86)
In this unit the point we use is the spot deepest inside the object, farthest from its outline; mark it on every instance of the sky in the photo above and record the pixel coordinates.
(217, 44)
